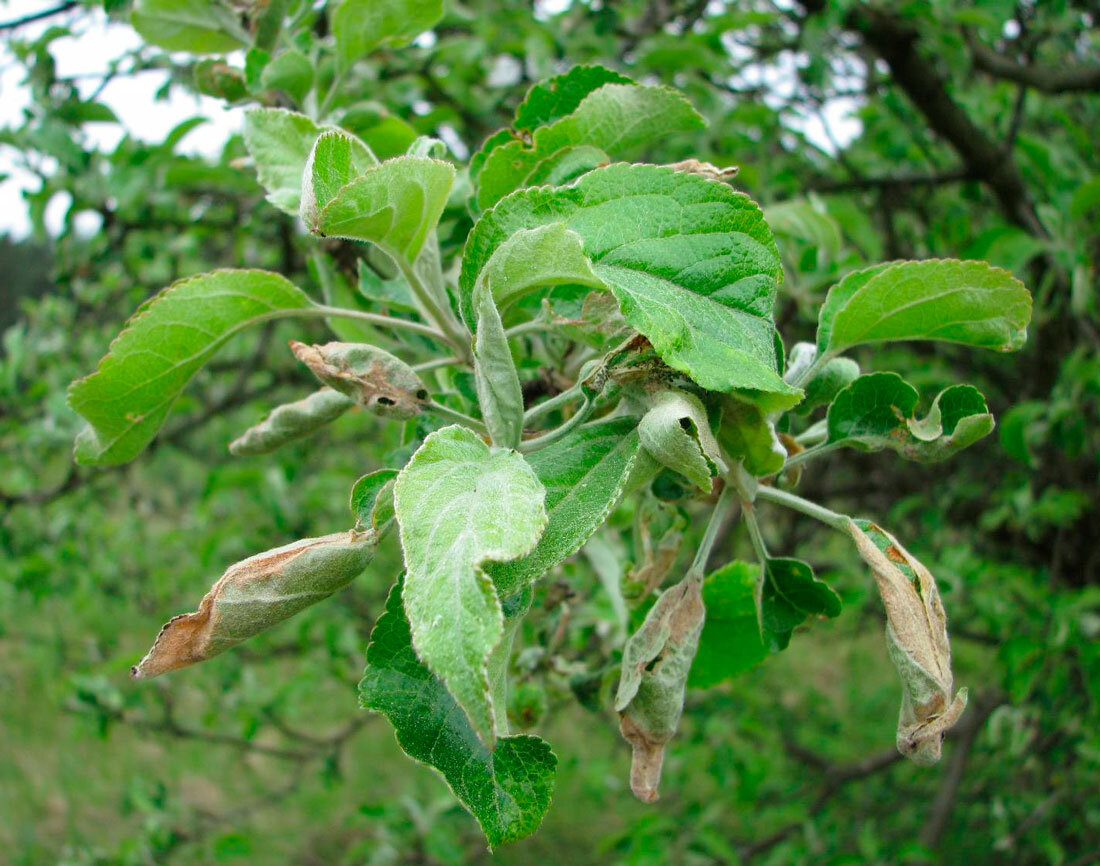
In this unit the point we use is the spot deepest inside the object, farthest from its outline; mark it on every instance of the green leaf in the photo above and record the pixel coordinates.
(393, 293)
(196, 26)
(290, 72)
(257, 593)
(395, 204)
(803, 222)
(162, 346)
(461, 504)
(731, 641)
(830, 380)
(336, 159)
(790, 594)
(218, 79)
(691, 262)
(561, 95)
(675, 431)
(617, 119)
(941, 299)
(538, 258)
(498, 390)
(279, 142)
(363, 25)
(584, 474)
(876, 411)
(369, 497)
(290, 422)
(507, 789)
(748, 435)
(548, 101)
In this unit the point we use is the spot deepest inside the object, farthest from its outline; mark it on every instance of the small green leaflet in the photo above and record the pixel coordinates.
(498, 390)
(801, 221)
(290, 422)
(829, 381)
(584, 474)
(940, 299)
(196, 26)
(363, 25)
(616, 118)
(371, 500)
(790, 594)
(749, 436)
(337, 158)
(459, 505)
(692, 263)
(664, 431)
(279, 143)
(731, 641)
(876, 411)
(162, 346)
(547, 101)
(507, 789)
(290, 72)
(395, 204)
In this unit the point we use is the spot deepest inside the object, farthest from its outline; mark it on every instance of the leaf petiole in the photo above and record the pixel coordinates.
(450, 414)
(810, 453)
(374, 319)
(837, 521)
(723, 508)
(578, 418)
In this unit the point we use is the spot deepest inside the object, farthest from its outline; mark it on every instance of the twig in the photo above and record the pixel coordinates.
(38, 16)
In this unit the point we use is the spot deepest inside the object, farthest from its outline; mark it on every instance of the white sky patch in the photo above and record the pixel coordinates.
(86, 56)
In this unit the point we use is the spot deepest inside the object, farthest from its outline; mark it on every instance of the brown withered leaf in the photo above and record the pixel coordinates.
(916, 633)
(706, 169)
(372, 377)
(656, 663)
(255, 594)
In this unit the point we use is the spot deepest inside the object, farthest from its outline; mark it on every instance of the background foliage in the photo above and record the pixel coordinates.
(978, 140)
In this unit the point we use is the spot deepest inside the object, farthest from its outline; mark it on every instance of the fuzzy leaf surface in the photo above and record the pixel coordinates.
(461, 504)
(290, 422)
(507, 789)
(162, 346)
(279, 142)
(337, 158)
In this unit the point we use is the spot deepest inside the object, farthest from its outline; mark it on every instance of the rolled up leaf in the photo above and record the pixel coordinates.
(916, 632)
(255, 594)
(656, 663)
(372, 377)
(291, 421)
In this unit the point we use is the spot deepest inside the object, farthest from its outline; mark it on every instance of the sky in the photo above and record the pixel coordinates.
(88, 53)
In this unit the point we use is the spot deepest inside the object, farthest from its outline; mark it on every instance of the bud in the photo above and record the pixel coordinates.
(255, 594)
(916, 633)
(372, 377)
(291, 421)
(656, 663)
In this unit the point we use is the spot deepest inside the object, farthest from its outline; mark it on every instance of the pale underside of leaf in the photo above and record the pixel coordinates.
(460, 505)
(257, 593)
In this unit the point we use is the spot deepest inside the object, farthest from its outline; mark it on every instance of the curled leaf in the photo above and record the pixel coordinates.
(291, 421)
(371, 501)
(676, 432)
(372, 377)
(916, 632)
(656, 663)
(255, 594)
